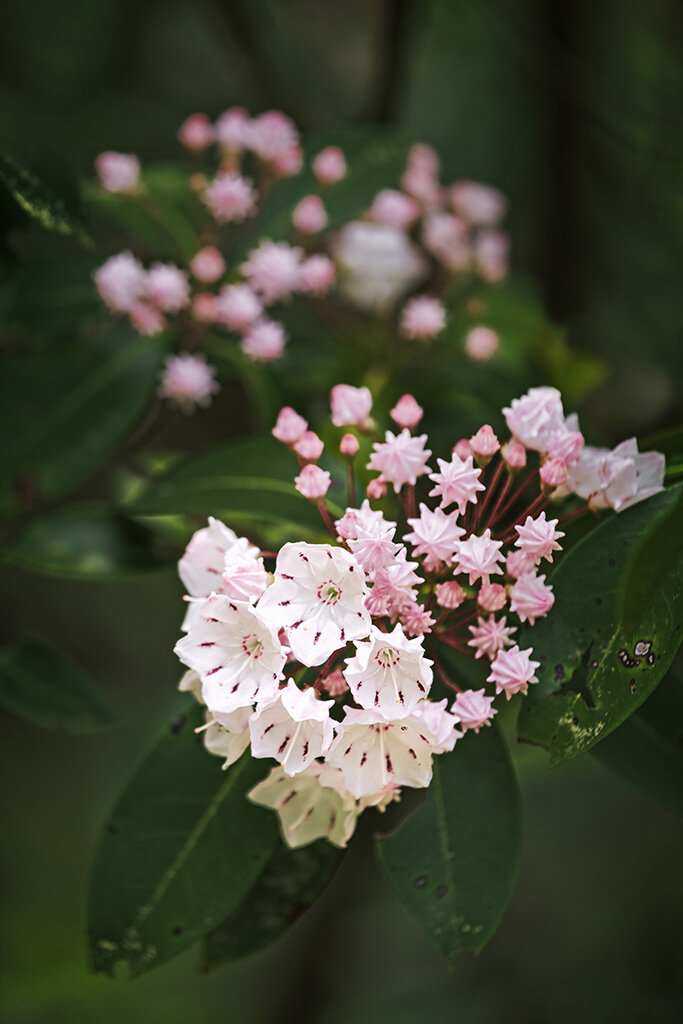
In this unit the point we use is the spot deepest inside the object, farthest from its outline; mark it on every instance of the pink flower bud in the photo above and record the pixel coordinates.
(329, 166)
(553, 474)
(196, 133)
(484, 443)
(462, 449)
(208, 265)
(422, 318)
(168, 287)
(376, 489)
(188, 381)
(478, 204)
(514, 454)
(313, 482)
(450, 594)
(290, 427)
(491, 255)
(288, 163)
(309, 215)
(316, 275)
(349, 445)
(481, 343)
(334, 683)
(350, 406)
(395, 209)
(518, 563)
(232, 129)
(237, 307)
(147, 319)
(230, 198)
(118, 172)
(264, 341)
(406, 413)
(566, 445)
(492, 597)
(204, 307)
(309, 446)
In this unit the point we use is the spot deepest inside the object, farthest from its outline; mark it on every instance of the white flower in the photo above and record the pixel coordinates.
(294, 728)
(314, 805)
(373, 753)
(244, 575)
(237, 655)
(201, 567)
(616, 478)
(389, 673)
(318, 597)
(535, 417)
(440, 722)
(227, 736)
(378, 265)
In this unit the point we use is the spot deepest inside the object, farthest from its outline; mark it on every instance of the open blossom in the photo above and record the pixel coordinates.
(401, 458)
(272, 136)
(167, 287)
(389, 673)
(227, 737)
(233, 130)
(372, 752)
(363, 521)
(264, 341)
(237, 307)
(290, 427)
(490, 636)
(440, 722)
(377, 265)
(313, 805)
(435, 536)
(478, 557)
(539, 537)
(196, 133)
(329, 166)
(309, 215)
(457, 482)
(531, 597)
(481, 344)
(318, 597)
(244, 577)
(566, 446)
(394, 208)
(407, 413)
(118, 172)
(121, 282)
(535, 417)
(316, 275)
(512, 671)
(350, 406)
(473, 709)
(272, 270)
(313, 482)
(422, 318)
(188, 381)
(617, 478)
(202, 565)
(208, 265)
(230, 197)
(479, 204)
(294, 727)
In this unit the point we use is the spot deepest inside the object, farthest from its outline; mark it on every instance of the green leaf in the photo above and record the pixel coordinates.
(39, 200)
(88, 542)
(42, 685)
(647, 750)
(453, 862)
(69, 409)
(253, 476)
(291, 882)
(599, 662)
(179, 852)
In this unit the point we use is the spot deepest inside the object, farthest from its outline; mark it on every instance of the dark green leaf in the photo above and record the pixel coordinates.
(291, 882)
(42, 685)
(87, 542)
(596, 668)
(647, 750)
(179, 852)
(453, 862)
(39, 200)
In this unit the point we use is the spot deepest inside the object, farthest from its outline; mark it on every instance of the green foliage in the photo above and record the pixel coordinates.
(453, 862)
(87, 542)
(290, 883)
(179, 852)
(42, 685)
(647, 750)
(612, 633)
(39, 201)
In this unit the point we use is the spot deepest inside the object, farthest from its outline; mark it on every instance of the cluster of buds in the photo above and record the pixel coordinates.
(334, 660)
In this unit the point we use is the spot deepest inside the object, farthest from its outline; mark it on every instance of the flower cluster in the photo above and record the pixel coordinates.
(335, 660)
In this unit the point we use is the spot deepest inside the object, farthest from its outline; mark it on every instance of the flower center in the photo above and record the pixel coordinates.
(329, 592)
(388, 657)
(252, 646)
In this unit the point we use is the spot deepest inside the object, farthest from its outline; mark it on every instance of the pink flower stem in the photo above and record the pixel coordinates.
(536, 505)
(489, 493)
(268, 554)
(351, 481)
(576, 512)
(327, 520)
(411, 506)
(443, 674)
(518, 493)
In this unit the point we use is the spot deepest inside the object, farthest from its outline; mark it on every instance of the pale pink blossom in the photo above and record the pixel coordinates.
(478, 557)
(202, 564)
(204, 307)
(478, 204)
(350, 406)
(492, 597)
(364, 520)
(394, 587)
(349, 446)
(208, 265)
(422, 318)
(315, 805)
(400, 459)
(316, 275)
(309, 215)
(514, 455)
(313, 482)
(553, 474)
(389, 673)
(167, 287)
(450, 594)
(446, 238)
(121, 282)
(334, 683)
(566, 446)
(244, 575)
(490, 636)
(374, 545)
(617, 478)
(232, 130)
(473, 709)
(230, 197)
(377, 265)
(288, 163)
(188, 381)
(394, 208)
(512, 671)
(481, 344)
(290, 427)
(228, 737)
(435, 535)
(484, 443)
(294, 727)
(264, 341)
(309, 447)
(535, 417)
(457, 482)
(272, 270)
(329, 166)
(416, 619)
(406, 413)
(519, 563)
(147, 319)
(491, 255)
(440, 722)
(196, 133)
(118, 172)
(273, 136)
(237, 307)
(539, 537)
(531, 597)
(372, 752)
(462, 448)
(420, 178)
(376, 489)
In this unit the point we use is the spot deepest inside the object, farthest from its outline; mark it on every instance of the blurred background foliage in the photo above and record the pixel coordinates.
(572, 110)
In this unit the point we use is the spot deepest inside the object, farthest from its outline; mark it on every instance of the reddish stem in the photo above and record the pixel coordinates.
(518, 493)
(444, 675)
(489, 493)
(327, 519)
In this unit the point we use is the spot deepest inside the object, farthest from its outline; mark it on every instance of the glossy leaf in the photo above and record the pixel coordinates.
(597, 667)
(87, 542)
(42, 685)
(39, 200)
(290, 883)
(453, 862)
(179, 852)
